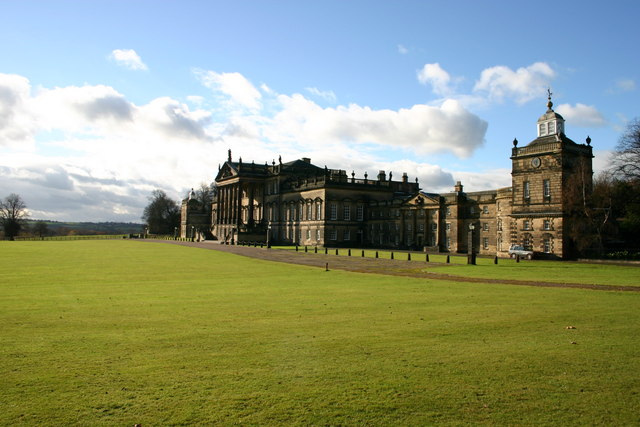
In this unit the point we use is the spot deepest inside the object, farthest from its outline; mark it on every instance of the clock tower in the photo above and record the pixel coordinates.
(549, 175)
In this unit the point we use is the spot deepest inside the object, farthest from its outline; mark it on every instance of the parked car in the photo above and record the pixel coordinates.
(516, 250)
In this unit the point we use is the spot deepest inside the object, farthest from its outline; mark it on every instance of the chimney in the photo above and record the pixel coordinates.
(306, 160)
(405, 177)
(382, 176)
(458, 187)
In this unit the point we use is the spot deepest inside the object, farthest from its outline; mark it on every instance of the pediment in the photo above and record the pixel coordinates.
(421, 199)
(226, 171)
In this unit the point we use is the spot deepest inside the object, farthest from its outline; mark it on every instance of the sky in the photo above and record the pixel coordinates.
(102, 102)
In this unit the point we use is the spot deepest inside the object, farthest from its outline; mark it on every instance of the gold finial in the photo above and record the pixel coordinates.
(549, 104)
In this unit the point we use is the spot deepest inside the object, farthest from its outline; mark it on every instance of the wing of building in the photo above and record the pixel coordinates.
(304, 204)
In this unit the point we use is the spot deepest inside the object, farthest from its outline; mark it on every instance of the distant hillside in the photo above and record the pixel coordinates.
(86, 228)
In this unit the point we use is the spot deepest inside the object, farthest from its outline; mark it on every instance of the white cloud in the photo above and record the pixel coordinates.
(17, 127)
(421, 128)
(626, 85)
(581, 115)
(435, 76)
(523, 84)
(402, 50)
(234, 85)
(327, 95)
(128, 58)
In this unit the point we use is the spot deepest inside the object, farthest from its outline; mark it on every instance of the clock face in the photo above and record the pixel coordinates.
(535, 162)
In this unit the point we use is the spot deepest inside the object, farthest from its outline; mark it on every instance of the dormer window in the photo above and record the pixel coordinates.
(542, 129)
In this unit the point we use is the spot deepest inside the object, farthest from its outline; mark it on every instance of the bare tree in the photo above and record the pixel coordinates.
(626, 158)
(162, 214)
(205, 194)
(40, 228)
(13, 212)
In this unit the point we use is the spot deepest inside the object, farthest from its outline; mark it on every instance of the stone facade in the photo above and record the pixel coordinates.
(300, 203)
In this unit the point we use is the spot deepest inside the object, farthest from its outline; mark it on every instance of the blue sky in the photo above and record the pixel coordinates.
(103, 101)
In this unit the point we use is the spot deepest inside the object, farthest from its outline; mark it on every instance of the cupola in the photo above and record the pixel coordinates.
(550, 123)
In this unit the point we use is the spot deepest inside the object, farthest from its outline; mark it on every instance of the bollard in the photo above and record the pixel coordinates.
(296, 248)
(495, 260)
(408, 256)
(305, 248)
(349, 252)
(376, 254)
(315, 249)
(337, 251)
(391, 255)
(326, 251)
(363, 253)
(517, 258)
(326, 267)
(448, 260)
(427, 258)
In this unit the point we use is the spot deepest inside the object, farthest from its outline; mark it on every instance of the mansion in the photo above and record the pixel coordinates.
(298, 203)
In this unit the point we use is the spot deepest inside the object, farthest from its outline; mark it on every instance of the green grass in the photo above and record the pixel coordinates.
(124, 332)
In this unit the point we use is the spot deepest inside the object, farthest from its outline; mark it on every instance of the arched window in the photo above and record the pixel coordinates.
(547, 244)
(527, 241)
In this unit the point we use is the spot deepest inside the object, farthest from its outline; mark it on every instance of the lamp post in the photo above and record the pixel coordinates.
(268, 235)
(471, 256)
(193, 233)
(175, 233)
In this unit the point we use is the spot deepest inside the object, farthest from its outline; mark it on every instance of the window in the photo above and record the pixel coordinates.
(499, 225)
(547, 224)
(485, 210)
(526, 190)
(309, 211)
(526, 225)
(333, 234)
(308, 234)
(552, 128)
(527, 242)
(434, 226)
(293, 213)
(420, 227)
(421, 213)
(447, 226)
(318, 235)
(319, 211)
(397, 226)
(346, 213)
(485, 226)
(334, 212)
(448, 243)
(397, 212)
(360, 213)
(546, 188)
(543, 129)
(409, 227)
(485, 243)
(346, 235)
(547, 244)
(472, 210)
(448, 212)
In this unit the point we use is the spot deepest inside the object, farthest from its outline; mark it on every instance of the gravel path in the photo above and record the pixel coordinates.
(356, 263)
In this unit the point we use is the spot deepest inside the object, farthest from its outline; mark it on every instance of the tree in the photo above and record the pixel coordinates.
(205, 194)
(626, 158)
(40, 228)
(13, 212)
(162, 214)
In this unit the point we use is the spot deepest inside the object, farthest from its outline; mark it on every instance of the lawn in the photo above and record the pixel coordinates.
(124, 332)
